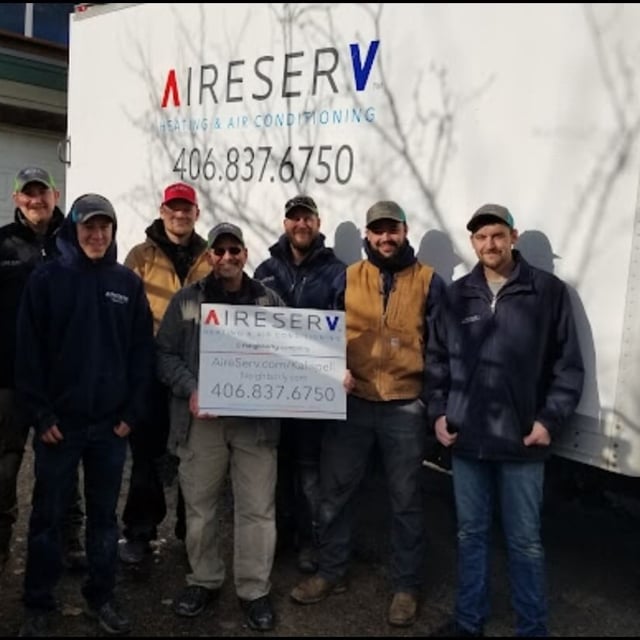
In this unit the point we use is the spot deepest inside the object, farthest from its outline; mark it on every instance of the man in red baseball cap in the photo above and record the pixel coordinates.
(172, 255)
(180, 191)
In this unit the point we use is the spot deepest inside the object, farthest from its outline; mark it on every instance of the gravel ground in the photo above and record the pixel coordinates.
(592, 553)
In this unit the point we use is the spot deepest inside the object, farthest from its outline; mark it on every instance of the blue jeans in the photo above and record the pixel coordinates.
(399, 428)
(517, 487)
(103, 456)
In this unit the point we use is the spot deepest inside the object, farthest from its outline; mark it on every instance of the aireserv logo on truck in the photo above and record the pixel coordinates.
(294, 75)
(207, 85)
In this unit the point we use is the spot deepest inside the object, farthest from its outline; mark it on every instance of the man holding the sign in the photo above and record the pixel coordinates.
(207, 445)
(389, 299)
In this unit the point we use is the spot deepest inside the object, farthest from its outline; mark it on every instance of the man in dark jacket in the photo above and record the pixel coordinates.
(85, 341)
(301, 270)
(25, 243)
(506, 373)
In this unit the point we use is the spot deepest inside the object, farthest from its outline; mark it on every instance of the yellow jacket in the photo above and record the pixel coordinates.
(160, 279)
(385, 347)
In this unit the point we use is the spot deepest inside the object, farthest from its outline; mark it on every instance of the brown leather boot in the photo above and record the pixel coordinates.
(315, 589)
(402, 612)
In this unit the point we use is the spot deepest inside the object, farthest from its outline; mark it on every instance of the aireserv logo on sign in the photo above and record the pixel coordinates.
(257, 319)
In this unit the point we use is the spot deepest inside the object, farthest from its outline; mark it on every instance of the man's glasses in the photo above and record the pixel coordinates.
(220, 251)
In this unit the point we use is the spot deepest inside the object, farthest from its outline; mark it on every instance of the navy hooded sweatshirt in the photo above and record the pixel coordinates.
(85, 351)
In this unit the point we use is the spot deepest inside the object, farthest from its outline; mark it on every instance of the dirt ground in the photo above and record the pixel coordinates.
(592, 552)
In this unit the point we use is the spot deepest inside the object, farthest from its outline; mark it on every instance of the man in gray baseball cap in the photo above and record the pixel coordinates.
(389, 300)
(300, 202)
(33, 174)
(488, 214)
(91, 205)
(225, 229)
(26, 242)
(505, 377)
(385, 210)
(210, 445)
(85, 363)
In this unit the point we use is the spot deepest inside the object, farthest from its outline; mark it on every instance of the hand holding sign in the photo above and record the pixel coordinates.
(194, 407)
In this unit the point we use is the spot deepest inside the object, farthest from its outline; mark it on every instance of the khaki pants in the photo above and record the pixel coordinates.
(248, 447)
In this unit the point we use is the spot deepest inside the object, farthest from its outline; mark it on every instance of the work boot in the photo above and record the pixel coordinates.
(259, 613)
(193, 600)
(315, 589)
(402, 612)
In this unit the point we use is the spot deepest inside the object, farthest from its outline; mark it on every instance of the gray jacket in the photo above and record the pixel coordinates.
(178, 345)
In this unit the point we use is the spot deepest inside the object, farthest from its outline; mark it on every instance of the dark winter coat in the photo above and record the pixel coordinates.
(21, 250)
(498, 364)
(303, 286)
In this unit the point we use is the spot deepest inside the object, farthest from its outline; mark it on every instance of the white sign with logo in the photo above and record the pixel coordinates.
(272, 362)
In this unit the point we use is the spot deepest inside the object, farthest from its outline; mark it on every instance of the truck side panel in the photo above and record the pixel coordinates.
(440, 107)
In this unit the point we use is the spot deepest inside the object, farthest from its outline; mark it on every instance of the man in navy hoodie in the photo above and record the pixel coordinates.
(84, 365)
(505, 376)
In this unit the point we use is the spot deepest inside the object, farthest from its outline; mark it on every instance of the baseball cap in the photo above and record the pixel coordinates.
(304, 202)
(489, 213)
(225, 229)
(180, 191)
(385, 210)
(89, 206)
(32, 174)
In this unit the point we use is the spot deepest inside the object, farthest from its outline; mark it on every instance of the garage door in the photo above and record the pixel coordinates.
(21, 148)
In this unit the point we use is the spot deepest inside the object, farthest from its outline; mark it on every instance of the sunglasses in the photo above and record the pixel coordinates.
(220, 251)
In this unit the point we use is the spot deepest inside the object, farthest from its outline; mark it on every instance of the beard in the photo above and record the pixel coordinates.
(303, 245)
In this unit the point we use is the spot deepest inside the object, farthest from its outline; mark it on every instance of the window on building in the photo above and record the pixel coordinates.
(50, 21)
(12, 17)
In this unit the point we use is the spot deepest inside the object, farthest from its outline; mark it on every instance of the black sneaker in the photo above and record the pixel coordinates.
(133, 551)
(110, 618)
(192, 600)
(35, 624)
(259, 613)
(452, 629)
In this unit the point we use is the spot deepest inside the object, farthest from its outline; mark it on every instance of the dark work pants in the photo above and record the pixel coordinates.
(103, 455)
(298, 488)
(399, 428)
(146, 507)
(14, 430)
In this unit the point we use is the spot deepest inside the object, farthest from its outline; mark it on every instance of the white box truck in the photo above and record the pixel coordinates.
(441, 107)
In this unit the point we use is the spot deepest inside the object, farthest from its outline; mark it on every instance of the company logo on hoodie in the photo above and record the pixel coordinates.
(118, 298)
